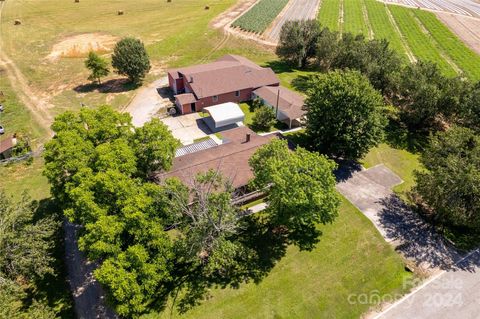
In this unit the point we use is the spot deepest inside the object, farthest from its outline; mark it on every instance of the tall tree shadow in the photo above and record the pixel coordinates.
(110, 86)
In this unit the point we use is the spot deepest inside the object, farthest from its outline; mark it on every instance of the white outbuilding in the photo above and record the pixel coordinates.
(222, 115)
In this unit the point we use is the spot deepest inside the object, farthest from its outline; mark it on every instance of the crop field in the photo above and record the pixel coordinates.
(414, 33)
(259, 17)
(353, 18)
(422, 46)
(465, 58)
(381, 25)
(329, 14)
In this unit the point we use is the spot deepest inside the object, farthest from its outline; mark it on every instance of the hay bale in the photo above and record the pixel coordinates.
(207, 7)
(77, 1)
(120, 12)
(169, 0)
(17, 22)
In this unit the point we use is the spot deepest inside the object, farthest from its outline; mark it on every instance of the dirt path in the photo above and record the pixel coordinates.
(37, 106)
(467, 29)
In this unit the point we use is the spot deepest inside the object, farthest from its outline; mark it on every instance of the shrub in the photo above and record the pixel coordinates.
(263, 118)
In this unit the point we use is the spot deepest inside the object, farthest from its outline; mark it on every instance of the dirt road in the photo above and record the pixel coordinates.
(37, 106)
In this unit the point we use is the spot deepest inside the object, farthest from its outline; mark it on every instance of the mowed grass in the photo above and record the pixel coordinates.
(401, 162)
(329, 14)
(382, 27)
(353, 18)
(351, 259)
(16, 118)
(463, 56)
(422, 46)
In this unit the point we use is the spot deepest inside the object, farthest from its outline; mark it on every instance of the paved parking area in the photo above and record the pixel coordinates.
(187, 128)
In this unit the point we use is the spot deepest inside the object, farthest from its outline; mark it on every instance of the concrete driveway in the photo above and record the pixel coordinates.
(371, 192)
(187, 128)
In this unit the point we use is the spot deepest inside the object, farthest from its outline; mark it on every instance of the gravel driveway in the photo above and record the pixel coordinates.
(149, 101)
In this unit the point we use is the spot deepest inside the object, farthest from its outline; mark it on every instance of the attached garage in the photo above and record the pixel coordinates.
(222, 115)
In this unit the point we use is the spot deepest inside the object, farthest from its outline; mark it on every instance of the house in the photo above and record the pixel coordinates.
(230, 158)
(235, 79)
(231, 78)
(6, 147)
(288, 105)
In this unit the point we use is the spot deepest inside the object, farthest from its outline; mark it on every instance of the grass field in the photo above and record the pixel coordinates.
(351, 258)
(418, 31)
(169, 30)
(260, 16)
(401, 162)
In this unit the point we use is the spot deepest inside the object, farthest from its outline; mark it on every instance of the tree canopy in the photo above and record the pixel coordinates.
(130, 58)
(345, 114)
(300, 189)
(298, 41)
(449, 185)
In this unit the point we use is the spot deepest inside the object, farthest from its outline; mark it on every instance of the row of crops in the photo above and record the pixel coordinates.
(407, 30)
(259, 17)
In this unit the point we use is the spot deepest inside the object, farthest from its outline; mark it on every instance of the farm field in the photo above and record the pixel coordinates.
(353, 18)
(329, 14)
(461, 7)
(55, 70)
(414, 33)
(260, 16)
(466, 59)
(315, 284)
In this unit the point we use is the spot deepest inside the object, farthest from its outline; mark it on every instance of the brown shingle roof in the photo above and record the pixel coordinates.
(228, 74)
(290, 103)
(6, 144)
(231, 159)
(186, 98)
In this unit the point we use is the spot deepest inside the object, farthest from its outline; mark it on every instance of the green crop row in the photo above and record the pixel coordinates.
(353, 18)
(329, 14)
(464, 57)
(382, 26)
(259, 17)
(422, 46)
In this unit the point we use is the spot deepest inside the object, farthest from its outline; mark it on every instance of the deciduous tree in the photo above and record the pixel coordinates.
(298, 41)
(97, 66)
(130, 58)
(345, 114)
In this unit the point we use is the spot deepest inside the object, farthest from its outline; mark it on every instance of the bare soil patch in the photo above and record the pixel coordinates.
(80, 45)
(467, 29)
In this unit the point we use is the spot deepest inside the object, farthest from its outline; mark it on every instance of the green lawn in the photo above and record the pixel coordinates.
(401, 162)
(351, 258)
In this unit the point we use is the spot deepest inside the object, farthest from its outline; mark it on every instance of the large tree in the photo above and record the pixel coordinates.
(345, 114)
(298, 41)
(299, 187)
(130, 58)
(26, 242)
(449, 185)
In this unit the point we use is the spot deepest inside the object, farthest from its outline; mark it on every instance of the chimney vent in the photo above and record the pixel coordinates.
(247, 138)
(191, 79)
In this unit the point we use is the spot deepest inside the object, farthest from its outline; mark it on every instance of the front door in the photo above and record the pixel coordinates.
(194, 109)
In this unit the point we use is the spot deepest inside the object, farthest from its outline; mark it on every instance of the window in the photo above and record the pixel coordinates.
(215, 98)
(237, 93)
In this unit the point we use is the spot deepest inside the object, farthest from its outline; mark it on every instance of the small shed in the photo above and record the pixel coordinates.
(222, 115)
(6, 147)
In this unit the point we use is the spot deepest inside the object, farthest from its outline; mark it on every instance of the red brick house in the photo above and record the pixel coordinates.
(231, 78)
